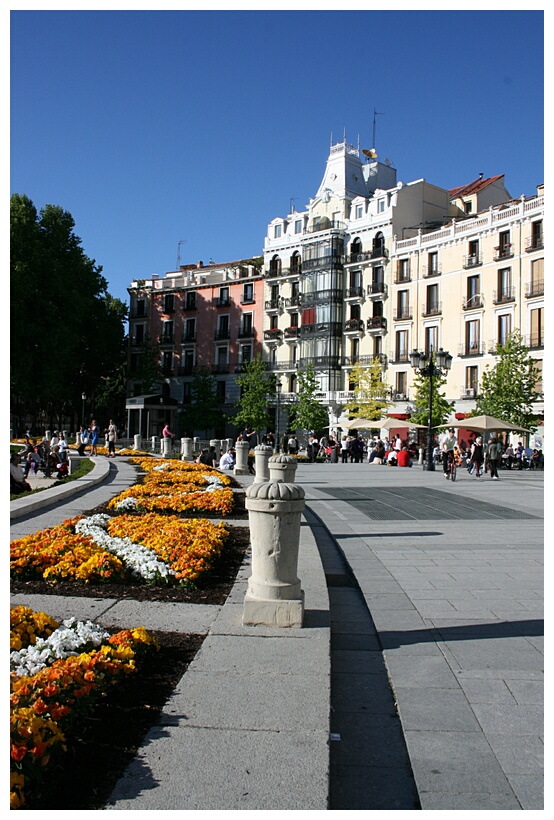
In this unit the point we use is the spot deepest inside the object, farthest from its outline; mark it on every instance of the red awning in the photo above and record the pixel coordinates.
(401, 416)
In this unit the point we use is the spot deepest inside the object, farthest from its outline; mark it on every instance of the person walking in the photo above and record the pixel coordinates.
(448, 451)
(94, 435)
(493, 454)
(476, 456)
(344, 450)
(112, 437)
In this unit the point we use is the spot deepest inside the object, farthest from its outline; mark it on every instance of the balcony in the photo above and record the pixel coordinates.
(376, 324)
(188, 337)
(186, 370)
(469, 349)
(354, 327)
(324, 262)
(222, 334)
(322, 329)
(248, 300)
(403, 313)
(354, 294)
(535, 341)
(135, 341)
(472, 302)
(317, 297)
(432, 309)
(503, 252)
(190, 305)
(246, 333)
(292, 333)
(501, 297)
(377, 290)
(273, 336)
(273, 306)
(357, 258)
(379, 253)
(473, 260)
(366, 361)
(403, 275)
(468, 393)
(220, 368)
(401, 357)
(167, 339)
(293, 302)
(275, 271)
(223, 301)
(325, 224)
(320, 362)
(534, 288)
(535, 243)
(431, 270)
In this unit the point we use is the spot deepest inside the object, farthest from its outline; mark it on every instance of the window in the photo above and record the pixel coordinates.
(537, 328)
(140, 308)
(378, 279)
(135, 362)
(308, 316)
(359, 211)
(188, 361)
(298, 226)
(467, 207)
(505, 290)
(296, 263)
(432, 305)
(190, 302)
(355, 311)
(504, 247)
(190, 330)
(536, 241)
(294, 320)
(403, 304)
(537, 278)
(167, 332)
(277, 230)
(221, 356)
(169, 303)
(401, 384)
(139, 334)
(380, 206)
(246, 324)
(187, 392)
(220, 391)
(354, 350)
(167, 361)
(245, 354)
(473, 295)
(433, 264)
(223, 299)
(294, 354)
(401, 346)
(471, 380)
(403, 270)
(473, 338)
(223, 327)
(274, 322)
(504, 327)
(295, 289)
(473, 258)
(248, 292)
(431, 339)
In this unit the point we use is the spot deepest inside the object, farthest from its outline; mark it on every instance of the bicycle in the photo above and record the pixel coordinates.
(452, 469)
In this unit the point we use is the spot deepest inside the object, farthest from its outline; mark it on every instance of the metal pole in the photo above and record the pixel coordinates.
(430, 461)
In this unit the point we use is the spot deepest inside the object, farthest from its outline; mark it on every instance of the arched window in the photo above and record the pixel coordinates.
(275, 265)
(296, 263)
(378, 245)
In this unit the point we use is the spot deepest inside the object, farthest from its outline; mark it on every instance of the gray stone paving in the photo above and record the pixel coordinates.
(455, 589)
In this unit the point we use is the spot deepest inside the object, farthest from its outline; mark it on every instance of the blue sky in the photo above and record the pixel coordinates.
(163, 127)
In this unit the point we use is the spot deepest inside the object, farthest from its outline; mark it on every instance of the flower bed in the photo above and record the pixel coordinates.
(149, 548)
(176, 486)
(58, 673)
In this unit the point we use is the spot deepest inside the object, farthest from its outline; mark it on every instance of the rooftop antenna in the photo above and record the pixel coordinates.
(375, 113)
(292, 201)
(181, 242)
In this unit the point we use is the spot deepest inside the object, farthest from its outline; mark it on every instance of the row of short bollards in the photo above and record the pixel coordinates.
(275, 504)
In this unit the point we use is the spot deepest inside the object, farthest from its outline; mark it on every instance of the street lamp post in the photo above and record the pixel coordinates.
(278, 387)
(83, 398)
(430, 366)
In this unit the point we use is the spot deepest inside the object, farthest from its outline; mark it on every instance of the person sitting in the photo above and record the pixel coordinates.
(403, 458)
(227, 461)
(63, 448)
(32, 462)
(392, 460)
(17, 478)
(536, 461)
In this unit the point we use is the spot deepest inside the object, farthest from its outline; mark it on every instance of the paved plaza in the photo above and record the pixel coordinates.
(416, 681)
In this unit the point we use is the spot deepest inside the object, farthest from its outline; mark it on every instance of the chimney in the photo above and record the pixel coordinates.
(199, 264)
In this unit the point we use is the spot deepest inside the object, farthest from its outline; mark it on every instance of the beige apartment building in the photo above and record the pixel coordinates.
(375, 267)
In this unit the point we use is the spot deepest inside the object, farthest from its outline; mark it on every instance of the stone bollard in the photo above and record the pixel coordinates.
(261, 454)
(154, 443)
(229, 443)
(166, 447)
(72, 462)
(241, 466)
(274, 596)
(186, 449)
(48, 435)
(196, 445)
(223, 445)
(215, 443)
(137, 442)
(282, 468)
(77, 439)
(420, 459)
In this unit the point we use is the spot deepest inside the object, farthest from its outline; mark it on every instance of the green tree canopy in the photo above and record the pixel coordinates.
(441, 407)
(67, 332)
(510, 387)
(370, 390)
(256, 386)
(308, 413)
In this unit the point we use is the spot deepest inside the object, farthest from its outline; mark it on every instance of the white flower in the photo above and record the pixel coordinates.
(70, 638)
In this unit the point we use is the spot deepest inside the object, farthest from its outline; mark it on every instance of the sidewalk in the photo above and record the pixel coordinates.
(411, 582)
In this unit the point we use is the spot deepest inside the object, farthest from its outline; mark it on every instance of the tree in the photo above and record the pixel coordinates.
(441, 407)
(369, 391)
(145, 369)
(204, 411)
(66, 330)
(256, 386)
(308, 413)
(510, 387)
